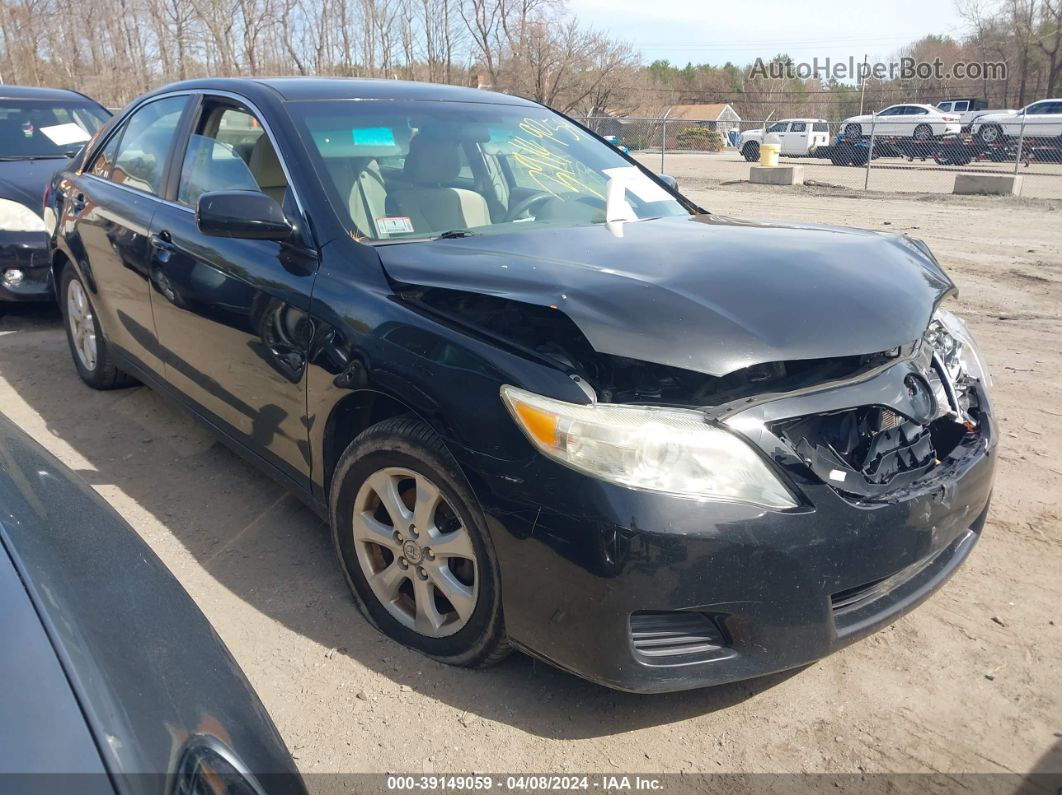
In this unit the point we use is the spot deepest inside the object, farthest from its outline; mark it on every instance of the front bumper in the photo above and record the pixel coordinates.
(783, 588)
(26, 252)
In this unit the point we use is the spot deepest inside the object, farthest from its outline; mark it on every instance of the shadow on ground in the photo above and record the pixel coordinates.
(267, 548)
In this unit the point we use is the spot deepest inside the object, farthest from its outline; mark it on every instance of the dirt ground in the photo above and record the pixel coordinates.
(969, 682)
(1040, 179)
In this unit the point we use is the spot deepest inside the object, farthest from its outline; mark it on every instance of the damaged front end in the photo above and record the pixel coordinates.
(930, 409)
(878, 451)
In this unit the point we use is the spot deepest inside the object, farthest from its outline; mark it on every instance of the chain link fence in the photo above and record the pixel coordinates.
(921, 153)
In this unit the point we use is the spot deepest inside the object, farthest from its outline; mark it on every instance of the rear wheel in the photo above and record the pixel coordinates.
(751, 151)
(841, 154)
(853, 130)
(413, 545)
(88, 346)
(923, 133)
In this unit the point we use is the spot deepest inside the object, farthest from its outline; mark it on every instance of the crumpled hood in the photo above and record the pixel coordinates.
(703, 293)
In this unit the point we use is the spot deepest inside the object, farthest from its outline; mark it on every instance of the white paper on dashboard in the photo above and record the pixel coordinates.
(638, 184)
(63, 134)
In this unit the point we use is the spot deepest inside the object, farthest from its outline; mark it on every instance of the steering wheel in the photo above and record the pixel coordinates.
(526, 204)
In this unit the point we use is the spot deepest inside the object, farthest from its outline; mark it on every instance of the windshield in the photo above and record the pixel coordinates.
(418, 170)
(31, 128)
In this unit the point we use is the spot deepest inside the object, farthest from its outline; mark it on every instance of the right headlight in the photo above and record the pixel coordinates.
(955, 346)
(660, 449)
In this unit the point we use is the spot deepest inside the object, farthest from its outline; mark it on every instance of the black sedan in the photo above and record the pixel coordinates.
(545, 401)
(39, 129)
(111, 679)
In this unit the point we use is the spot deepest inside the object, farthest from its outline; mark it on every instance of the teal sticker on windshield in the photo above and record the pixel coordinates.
(373, 136)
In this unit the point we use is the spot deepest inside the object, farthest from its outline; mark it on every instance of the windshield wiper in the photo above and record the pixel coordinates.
(454, 233)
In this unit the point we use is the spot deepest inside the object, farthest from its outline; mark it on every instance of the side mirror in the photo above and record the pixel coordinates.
(242, 213)
(671, 182)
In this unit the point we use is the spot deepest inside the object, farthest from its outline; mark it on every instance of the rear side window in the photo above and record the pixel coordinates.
(821, 126)
(798, 126)
(144, 145)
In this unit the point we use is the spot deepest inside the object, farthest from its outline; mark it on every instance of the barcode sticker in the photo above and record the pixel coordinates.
(394, 224)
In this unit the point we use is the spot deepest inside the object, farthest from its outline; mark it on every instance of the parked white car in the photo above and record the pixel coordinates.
(921, 122)
(1042, 119)
(796, 136)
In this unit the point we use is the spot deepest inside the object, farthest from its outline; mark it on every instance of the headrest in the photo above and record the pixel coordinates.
(265, 165)
(432, 160)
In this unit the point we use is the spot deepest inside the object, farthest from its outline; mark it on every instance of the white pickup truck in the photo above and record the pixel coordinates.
(968, 110)
(797, 137)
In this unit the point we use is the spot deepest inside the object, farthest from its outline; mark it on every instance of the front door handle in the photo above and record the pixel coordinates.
(161, 242)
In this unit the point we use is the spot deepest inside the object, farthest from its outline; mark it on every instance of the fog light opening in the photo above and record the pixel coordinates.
(13, 277)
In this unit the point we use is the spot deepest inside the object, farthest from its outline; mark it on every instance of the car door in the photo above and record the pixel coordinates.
(795, 141)
(233, 314)
(1043, 120)
(110, 207)
(885, 122)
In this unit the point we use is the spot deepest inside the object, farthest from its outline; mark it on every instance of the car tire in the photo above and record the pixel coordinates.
(404, 458)
(923, 133)
(853, 130)
(88, 347)
(841, 154)
(990, 134)
(751, 151)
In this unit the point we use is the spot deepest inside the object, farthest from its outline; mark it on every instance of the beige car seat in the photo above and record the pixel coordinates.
(427, 202)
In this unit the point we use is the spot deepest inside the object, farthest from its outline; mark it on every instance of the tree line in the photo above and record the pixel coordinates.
(115, 50)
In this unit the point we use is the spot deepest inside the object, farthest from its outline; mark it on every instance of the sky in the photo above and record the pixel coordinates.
(715, 32)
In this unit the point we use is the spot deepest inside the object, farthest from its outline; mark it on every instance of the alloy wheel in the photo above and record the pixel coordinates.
(416, 554)
(82, 324)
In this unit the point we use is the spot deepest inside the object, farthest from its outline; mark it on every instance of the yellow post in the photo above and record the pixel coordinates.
(769, 154)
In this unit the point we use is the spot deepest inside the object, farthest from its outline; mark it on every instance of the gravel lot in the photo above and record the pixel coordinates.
(1041, 180)
(970, 682)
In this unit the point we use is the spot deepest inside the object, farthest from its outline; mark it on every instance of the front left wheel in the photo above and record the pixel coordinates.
(413, 545)
(88, 346)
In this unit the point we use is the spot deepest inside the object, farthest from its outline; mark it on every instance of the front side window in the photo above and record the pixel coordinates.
(555, 174)
(821, 126)
(229, 151)
(43, 129)
(144, 145)
(778, 128)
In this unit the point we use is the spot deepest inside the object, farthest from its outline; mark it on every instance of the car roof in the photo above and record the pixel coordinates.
(35, 92)
(294, 89)
(801, 118)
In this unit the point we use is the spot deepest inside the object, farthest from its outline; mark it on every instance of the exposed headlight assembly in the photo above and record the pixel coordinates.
(15, 217)
(955, 347)
(659, 449)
